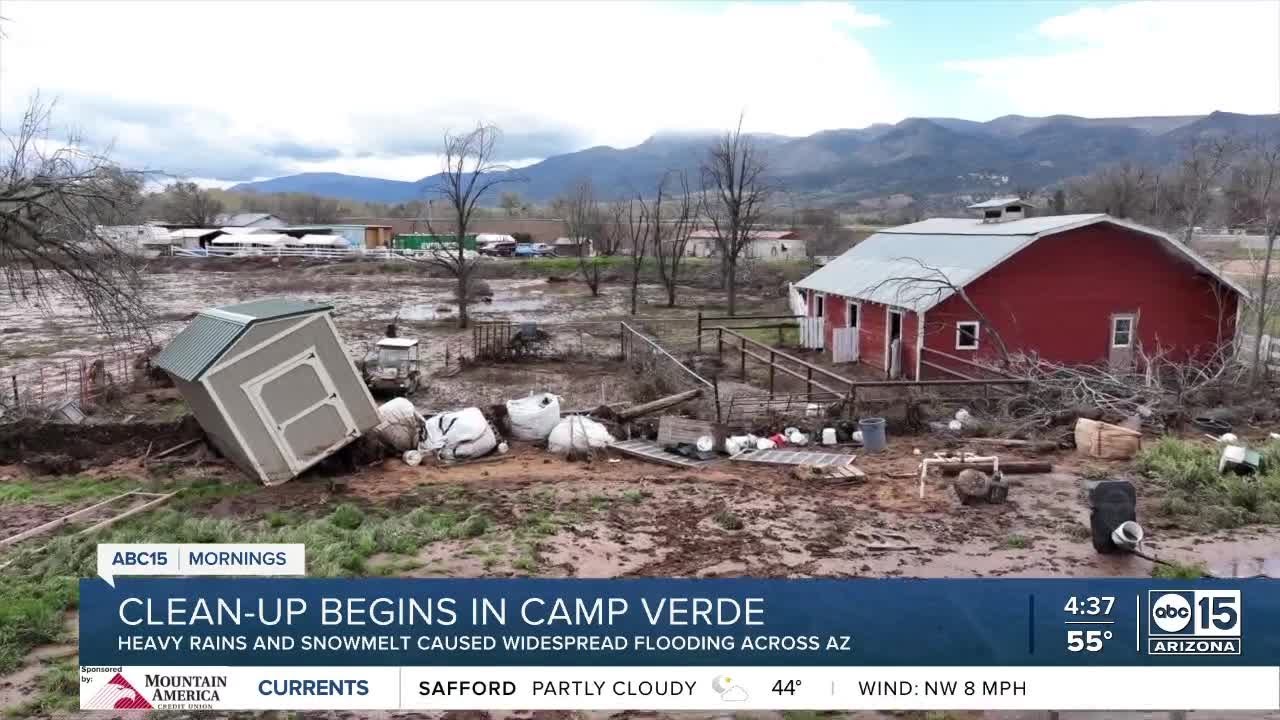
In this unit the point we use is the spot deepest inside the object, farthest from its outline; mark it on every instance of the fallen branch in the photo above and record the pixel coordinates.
(636, 411)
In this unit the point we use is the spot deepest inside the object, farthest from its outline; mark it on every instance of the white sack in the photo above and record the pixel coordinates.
(577, 434)
(459, 435)
(401, 426)
(534, 417)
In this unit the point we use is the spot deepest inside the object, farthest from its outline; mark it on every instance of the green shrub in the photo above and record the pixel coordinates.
(1244, 492)
(728, 520)
(1226, 517)
(347, 517)
(1185, 466)
(1178, 571)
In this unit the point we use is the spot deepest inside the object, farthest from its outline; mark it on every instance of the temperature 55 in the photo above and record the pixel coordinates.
(1086, 640)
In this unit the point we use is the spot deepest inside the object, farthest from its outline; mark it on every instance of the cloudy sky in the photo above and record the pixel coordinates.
(229, 91)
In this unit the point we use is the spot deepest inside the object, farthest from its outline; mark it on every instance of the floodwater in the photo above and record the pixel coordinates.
(32, 336)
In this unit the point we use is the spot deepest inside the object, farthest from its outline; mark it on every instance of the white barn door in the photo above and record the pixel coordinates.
(844, 345)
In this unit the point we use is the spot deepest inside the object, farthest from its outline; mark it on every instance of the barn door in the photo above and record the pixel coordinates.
(300, 406)
(893, 343)
(1124, 330)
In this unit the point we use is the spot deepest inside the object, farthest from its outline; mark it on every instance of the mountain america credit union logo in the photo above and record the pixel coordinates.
(117, 694)
(1193, 622)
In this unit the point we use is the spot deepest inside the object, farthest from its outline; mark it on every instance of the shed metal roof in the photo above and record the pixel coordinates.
(916, 266)
(215, 330)
(1000, 202)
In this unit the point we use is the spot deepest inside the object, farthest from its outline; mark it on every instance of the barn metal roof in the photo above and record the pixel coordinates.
(916, 266)
(215, 330)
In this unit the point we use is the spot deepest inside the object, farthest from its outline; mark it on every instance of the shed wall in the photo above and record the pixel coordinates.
(1057, 296)
(212, 422)
(315, 332)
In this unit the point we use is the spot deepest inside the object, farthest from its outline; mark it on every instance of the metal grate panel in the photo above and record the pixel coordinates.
(793, 457)
(651, 451)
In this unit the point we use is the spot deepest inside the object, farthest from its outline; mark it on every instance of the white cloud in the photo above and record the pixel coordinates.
(1144, 58)
(230, 90)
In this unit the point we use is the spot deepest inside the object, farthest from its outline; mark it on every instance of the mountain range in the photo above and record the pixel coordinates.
(917, 155)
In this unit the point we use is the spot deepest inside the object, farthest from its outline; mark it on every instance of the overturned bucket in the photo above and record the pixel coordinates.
(873, 437)
(1128, 535)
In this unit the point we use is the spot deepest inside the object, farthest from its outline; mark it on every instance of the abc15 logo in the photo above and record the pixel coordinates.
(1194, 613)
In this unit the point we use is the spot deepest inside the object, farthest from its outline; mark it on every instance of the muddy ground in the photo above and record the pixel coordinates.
(620, 517)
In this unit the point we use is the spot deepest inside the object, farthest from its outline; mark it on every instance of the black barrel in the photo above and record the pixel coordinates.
(1111, 504)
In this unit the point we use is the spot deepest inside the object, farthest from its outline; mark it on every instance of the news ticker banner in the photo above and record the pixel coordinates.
(301, 643)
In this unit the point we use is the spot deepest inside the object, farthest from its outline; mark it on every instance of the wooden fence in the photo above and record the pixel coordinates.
(1270, 351)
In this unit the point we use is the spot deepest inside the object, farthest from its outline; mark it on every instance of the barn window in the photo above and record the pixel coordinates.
(819, 301)
(853, 314)
(967, 335)
(1122, 331)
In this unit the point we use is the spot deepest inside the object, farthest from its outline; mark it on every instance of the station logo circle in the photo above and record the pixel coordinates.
(1171, 612)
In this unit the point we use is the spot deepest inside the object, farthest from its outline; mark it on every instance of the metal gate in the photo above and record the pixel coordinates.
(844, 345)
(811, 333)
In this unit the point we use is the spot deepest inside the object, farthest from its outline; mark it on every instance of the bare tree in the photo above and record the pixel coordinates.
(308, 209)
(470, 172)
(1203, 164)
(735, 193)
(675, 216)
(1258, 185)
(512, 204)
(584, 222)
(633, 216)
(1125, 190)
(55, 198)
(190, 204)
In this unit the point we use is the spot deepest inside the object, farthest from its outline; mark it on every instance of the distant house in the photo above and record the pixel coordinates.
(255, 220)
(135, 238)
(191, 238)
(573, 247)
(355, 236)
(1072, 289)
(764, 245)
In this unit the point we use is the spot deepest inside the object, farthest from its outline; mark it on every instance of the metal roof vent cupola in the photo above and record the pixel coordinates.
(1002, 209)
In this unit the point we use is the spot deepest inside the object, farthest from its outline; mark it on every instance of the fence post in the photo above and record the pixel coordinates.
(808, 381)
(772, 360)
(720, 344)
(15, 390)
(699, 332)
(742, 362)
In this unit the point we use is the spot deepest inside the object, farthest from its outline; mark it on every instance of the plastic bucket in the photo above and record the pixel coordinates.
(873, 438)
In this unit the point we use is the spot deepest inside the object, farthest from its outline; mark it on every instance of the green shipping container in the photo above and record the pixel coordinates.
(419, 241)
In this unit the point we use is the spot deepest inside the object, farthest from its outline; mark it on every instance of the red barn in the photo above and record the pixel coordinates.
(1071, 288)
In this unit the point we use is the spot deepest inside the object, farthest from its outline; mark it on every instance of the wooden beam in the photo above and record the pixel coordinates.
(59, 522)
(636, 411)
(1012, 467)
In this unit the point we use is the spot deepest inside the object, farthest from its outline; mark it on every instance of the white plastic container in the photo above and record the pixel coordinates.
(828, 436)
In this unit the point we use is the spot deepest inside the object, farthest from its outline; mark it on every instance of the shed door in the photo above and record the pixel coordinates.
(299, 404)
(1124, 331)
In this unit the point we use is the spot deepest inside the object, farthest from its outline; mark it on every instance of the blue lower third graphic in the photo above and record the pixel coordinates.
(671, 622)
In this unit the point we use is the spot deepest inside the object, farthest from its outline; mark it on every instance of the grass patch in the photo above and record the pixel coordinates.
(64, 490)
(1016, 542)
(635, 497)
(1197, 493)
(728, 520)
(57, 691)
(1178, 571)
(40, 588)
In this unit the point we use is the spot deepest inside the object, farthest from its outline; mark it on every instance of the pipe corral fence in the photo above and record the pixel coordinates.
(85, 379)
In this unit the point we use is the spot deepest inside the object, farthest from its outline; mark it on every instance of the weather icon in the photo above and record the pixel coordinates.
(729, 692)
